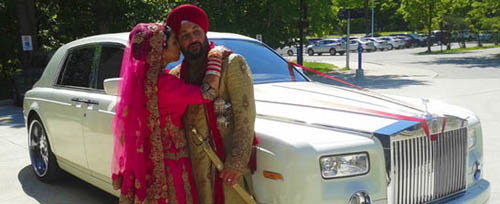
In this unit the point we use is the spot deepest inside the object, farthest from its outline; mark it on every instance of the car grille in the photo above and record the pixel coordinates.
(426, 170)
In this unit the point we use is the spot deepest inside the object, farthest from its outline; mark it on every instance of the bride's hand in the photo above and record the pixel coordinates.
(212, 80)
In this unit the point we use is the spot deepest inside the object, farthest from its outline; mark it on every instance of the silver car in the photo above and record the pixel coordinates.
(379, 43)
(322, 143)
(332, 46)
(367, 45)
(394, 42)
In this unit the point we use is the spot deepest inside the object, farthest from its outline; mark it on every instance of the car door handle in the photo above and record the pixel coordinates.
(92, 102)
(80, 100)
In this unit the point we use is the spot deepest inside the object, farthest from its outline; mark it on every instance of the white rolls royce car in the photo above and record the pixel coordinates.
(318, 143)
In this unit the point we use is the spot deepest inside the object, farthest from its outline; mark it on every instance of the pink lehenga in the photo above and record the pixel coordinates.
(150, 161)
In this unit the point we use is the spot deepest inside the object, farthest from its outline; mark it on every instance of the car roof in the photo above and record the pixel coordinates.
(122, 38)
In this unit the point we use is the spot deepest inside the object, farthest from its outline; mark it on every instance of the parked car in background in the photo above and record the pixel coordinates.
(311, 41)
(394, 43)
(287, 50)
(422, 39)
(323, 143)
(379, 43)
(332, 46)
(408, 42)
(411, 39)
(367, 45)
(486, 37)
(463, 35)
(441, 37)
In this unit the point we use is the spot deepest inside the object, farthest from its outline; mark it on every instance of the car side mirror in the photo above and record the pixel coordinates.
(111, 86)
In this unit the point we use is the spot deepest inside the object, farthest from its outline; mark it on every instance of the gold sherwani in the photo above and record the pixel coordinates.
(236, 125)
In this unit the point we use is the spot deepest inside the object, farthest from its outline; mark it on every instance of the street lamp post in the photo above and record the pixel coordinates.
(373, 14)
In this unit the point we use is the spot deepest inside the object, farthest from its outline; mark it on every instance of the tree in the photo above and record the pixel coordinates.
(421, 14)
(485, 15)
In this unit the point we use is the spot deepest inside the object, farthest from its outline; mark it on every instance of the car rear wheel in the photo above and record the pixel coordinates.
(290, 53)
(341, 53)
(43, 160)
(333, 51)
(391, 47)
(310, 52)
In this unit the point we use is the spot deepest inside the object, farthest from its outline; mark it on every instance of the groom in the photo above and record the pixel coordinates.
(227, 123)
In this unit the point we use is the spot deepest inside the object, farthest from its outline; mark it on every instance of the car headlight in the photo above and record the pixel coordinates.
(344, 165)
(473, 132)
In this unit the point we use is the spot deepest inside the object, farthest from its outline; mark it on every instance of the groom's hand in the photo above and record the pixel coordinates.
(229, 176)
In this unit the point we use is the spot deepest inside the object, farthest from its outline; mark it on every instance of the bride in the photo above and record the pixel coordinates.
(150, 161)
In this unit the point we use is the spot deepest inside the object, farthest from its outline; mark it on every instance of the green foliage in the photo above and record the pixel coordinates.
(485, 15)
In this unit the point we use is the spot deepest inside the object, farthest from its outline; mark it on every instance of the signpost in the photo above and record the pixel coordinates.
(359, 71)
(347, 14)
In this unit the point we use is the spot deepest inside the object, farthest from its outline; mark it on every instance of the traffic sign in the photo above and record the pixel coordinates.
(350, 13)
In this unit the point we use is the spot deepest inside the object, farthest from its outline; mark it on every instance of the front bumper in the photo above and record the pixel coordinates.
(479, 193)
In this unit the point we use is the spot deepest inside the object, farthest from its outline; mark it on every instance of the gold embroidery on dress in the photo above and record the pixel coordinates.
(182, 153)
(150, 85)
(171, 188)
(187, 185)
(176, 134)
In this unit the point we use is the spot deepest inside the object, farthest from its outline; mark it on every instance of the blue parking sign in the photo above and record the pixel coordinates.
(27, 44)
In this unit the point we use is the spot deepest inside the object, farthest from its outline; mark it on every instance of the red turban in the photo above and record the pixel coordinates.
(187, 12)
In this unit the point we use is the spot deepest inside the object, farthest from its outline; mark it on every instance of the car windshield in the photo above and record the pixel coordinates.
(265, 64)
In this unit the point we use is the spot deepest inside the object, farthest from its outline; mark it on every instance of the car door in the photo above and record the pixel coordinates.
(100, 112)
(65, 122)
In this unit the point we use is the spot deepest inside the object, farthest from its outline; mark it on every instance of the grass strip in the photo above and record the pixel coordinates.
(319, 66)
(457, 50)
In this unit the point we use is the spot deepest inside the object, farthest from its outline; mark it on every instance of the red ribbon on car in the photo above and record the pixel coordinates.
(422, 121)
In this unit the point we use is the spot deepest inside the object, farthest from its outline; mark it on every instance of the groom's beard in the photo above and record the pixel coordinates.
(195, 61)
(191, 54)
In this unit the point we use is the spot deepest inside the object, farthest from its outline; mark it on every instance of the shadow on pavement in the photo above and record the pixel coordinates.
(371, 82)
(11, 116)
(68, 189)
(491, 61)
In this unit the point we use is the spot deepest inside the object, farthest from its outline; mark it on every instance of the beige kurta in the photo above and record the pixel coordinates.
(236, 89)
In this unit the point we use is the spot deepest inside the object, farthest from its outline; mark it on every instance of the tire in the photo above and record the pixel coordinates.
(391, 47)
(319, 54)
(290, 53)
(341, 53)
(333, 52)
(310, 52)
(43, 161)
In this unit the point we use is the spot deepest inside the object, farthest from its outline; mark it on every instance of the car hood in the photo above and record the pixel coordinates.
(340, 108)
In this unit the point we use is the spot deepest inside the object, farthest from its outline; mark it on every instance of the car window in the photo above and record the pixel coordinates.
(77, 67)
(110, 62)
(266, 65)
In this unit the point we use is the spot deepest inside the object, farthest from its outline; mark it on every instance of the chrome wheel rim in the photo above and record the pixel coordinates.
(38, 148)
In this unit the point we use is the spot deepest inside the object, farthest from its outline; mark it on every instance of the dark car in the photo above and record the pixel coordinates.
(24, 79)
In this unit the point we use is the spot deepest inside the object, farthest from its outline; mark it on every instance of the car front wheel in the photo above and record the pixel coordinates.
(391, 47)
(43, 160)
(290, 53)
(310, 52)
(333, 52)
